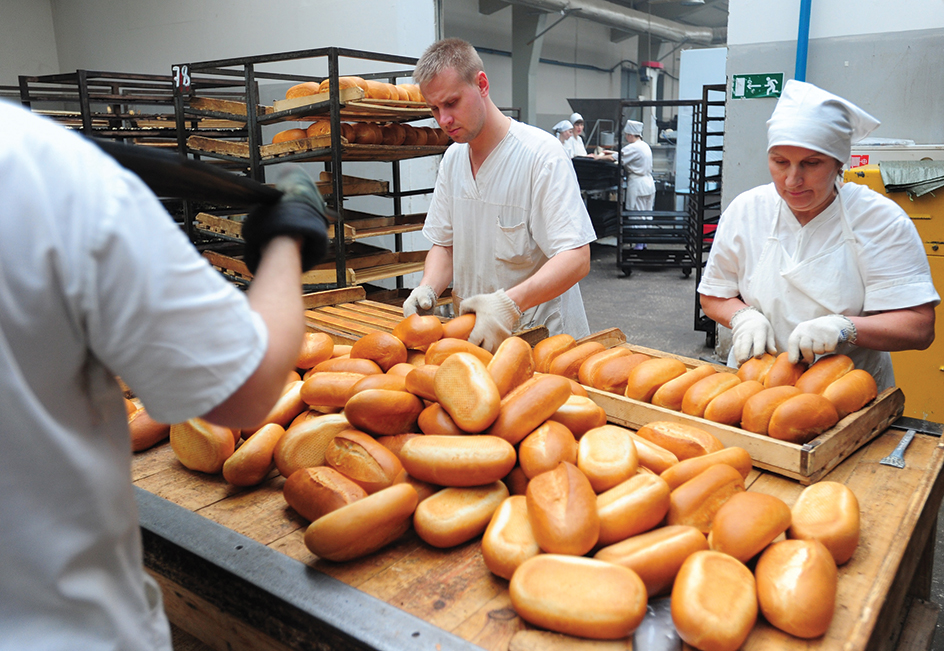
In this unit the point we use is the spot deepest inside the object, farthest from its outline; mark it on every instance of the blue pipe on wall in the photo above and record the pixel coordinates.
(803, 40)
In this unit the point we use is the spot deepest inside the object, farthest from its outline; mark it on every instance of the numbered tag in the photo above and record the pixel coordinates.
(181, 75)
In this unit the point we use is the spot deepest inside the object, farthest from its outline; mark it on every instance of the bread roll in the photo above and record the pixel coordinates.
(714, 601)
(851, 392)
(823, 372)
(696, 399)
(415, 94)
(424, 489)
(684, 441)
(651, 456)
(562, 511)
(367, 133)
(755, 417)
(657, 555)
(420, 380)
(303, 89)
(529, 405)
(577, 389)
(611, 375)
(670, 394)
(827, 511)
(632, 507)
(747, 523)
(422, 136)
(418, 331)
(756, 368)
(303, 445)
(737, 458)
(381, 412)
(202, 446)
(578, 596)
(314, 492)
(253, 460)
(456, 515)
(796, 587)
(364, 526)
(317, 347)
(395, 442)
(390, 381)
(467, 392)
(458, 460)
(727, 407)
(783, 372)
(436, 420)
(438, 351)
(696, 502)
(547, 349)
(459, 327)
(289, 405)
(544, 448)
(348, 365)
(802, 418)
(362, 459)
(318, 128)
(145, 431)
(343, 82)
(511, 365)
(411, 134)
(589, 365)
(579, 415)
(330, 388)
(568, 362)
(288, 135)
(348, 132)
(403, 368)
(341, 350)
(378, 89)
(607, 456)
(646, 378)
(516, 481)
(508, 540)
(393, 135)
(380, 347)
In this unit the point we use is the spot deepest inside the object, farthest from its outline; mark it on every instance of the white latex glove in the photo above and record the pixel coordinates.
(819, 336)
(752, 335)
(422, 300)
(496, 317)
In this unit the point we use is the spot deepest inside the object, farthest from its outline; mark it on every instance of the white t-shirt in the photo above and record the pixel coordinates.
(95, 281)
(522, 208)
(574, 146)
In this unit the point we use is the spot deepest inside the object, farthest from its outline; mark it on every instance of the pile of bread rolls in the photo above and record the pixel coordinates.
(767, 395)
(403, 94)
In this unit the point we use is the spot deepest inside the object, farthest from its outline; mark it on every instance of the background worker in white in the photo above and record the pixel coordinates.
(575, 146)
(97, 280)
(507, 222)
(636, 159)
(564, 131)
(810, 266)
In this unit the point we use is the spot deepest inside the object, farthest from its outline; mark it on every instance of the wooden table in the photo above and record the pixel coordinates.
(236, 573)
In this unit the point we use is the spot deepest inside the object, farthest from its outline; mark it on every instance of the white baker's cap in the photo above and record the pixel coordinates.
(633, 128)
(562, 126)
(576, 117)
(810, 117)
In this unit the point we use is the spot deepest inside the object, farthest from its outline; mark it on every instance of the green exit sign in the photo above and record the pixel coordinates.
(767, 84)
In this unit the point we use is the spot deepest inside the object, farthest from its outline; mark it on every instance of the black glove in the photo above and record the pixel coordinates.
(300, 212)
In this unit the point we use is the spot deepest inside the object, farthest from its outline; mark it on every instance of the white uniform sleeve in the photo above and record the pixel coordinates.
(437, 227)
(561, 221)
(724, 269)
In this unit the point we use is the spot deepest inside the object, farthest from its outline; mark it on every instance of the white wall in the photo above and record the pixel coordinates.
(27, 40)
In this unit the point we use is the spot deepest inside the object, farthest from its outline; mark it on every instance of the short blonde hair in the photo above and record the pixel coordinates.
(452, 53)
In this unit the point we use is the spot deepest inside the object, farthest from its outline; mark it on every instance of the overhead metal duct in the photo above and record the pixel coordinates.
(626, 19)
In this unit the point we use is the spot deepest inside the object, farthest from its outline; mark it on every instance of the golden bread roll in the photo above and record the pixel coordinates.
(802, 418)
(516, 481)
(348, 132)
(253, 460)
(420, 380)
(349, 365)
(737, 458)
(827, 511)
(657, 555)
(395, 442)
(756, 368)
(317, 347)
(421, 136)
(364, 526)
(651, 456)
(782, 372)
(568, 362)
(303, 445)
(823, 372)
(367, 133)
(380, 347)
(755, 417)
(562, 509)
(727, 407)
(403, 368)
(684, 441)
(424, 489)
(145, 431)
(697, 397)
(459, 327)
(438, 351)
(456, 515)
(714, 601)
(341, 350)
(747, 523)
(529, 405)
(393, 134)
(415, 94)
(796, 587)
(670, 394)
(696, 502)
(607, 456)
(343, 82)
(303, 89)
(589, 365)
(381, 412)
(508, 540)
(378, 89)
(580, 414)
(611, 375)
(436, 420)
(314, 492)
(331, 388)
(467, 392)
(851, 392)
(511, 365)
(632, 507)
(363, 460)
(646, 377)
(458, 460)
(390, 381)
(577, 389)
(418, 331)
(578, 596)
(288, 135)
(544, 448)
(318, 128)
(202, 446)
(411, 134)
(547, 349)
(289, 405)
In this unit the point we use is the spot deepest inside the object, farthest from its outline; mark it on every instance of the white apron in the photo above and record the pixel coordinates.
(640, 192)
(789, 292)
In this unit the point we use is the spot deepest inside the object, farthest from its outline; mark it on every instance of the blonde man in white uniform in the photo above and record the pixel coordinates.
(507, 222)
(809, 266)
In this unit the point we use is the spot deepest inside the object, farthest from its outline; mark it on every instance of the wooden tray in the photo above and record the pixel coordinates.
(318, 146)
(354, 106)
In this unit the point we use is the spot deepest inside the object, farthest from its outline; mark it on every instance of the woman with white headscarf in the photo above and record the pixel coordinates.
(810, 266)
(564, 131)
